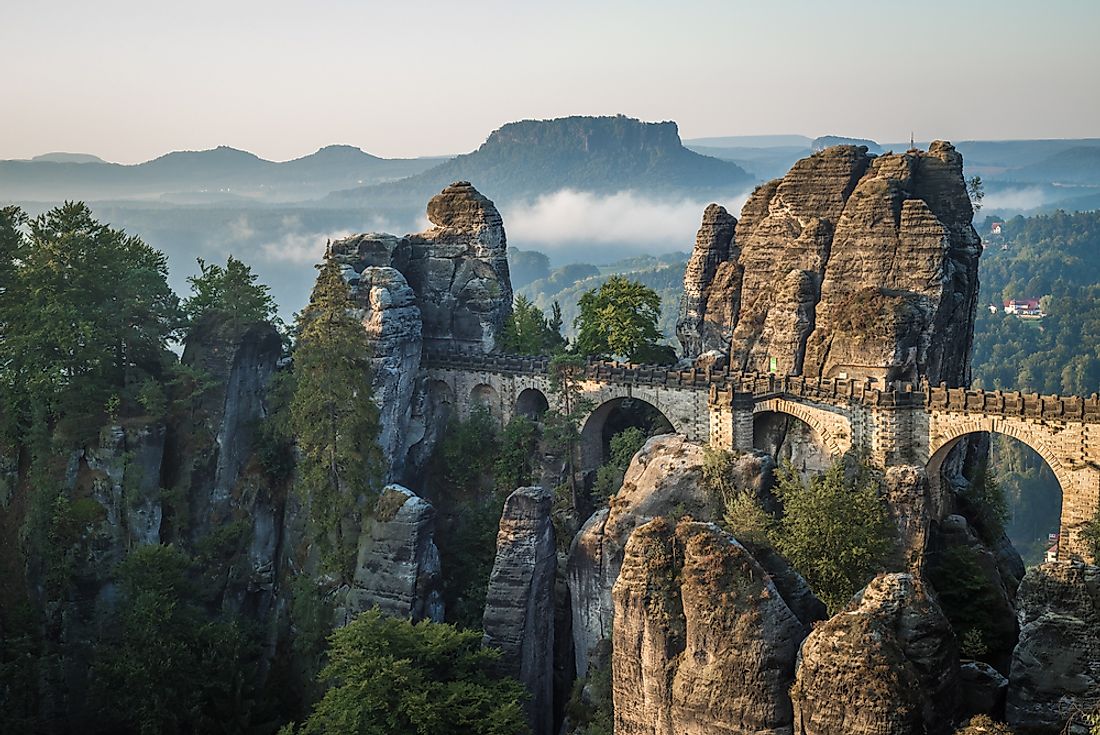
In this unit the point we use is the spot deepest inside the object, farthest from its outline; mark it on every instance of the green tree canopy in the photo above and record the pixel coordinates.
(619, 319)
(834, 530)
(86, 312)
(529, 332)
(232, 291)
(334, 417)
(169, 668)
(390, 676)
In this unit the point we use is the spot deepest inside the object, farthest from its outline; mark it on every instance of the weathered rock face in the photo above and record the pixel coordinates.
(850, 264)
(459, 270)
(398, 567)
(210, 458)
(392, 321)
(665, 474)
(238, 361)
(703, 642)
(447, 287)
(906, 495)
(1056, 665)
(967, 575)
(981, 689)
(698, 329)
(887, 665)
(519, 605)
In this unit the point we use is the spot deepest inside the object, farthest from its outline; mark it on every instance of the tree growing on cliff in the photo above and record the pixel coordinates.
(391, 676)
(334, 418)
(232, 292)
(619, 319)
(529, 332)
(834, 529)
(562, 425)
(86, 313)
(1090, 537)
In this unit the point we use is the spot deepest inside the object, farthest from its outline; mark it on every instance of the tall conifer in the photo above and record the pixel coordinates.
(334, 418)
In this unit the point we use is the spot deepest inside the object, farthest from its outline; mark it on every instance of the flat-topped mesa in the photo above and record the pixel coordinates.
(851, 265)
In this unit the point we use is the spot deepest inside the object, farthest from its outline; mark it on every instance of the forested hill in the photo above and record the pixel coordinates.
(1054, 258)
(598, 154)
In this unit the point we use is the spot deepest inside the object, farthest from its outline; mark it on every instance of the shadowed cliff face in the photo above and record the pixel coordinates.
(849, 265)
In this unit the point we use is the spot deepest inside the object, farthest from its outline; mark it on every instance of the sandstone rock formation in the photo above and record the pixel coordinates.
(703, 642)
(906, 495)
(1056, 665)
(699, 328)
(849, 265)
(519, 605)
(459, 270)
(982, 689)
(393, 324)
(397, 568)
(887, 665)
(447, 287)
(665, 474)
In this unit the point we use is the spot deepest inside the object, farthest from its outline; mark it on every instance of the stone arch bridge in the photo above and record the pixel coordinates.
(895, 424)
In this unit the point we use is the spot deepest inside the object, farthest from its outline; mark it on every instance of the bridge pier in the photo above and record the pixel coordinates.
(731, 419)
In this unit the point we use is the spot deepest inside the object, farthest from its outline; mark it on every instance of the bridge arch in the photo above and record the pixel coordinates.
(951, 436)
(613, 416)
(832, 430)
(531, 403)
(486, 396)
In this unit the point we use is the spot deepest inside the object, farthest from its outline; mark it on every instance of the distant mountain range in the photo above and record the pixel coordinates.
(596, 154)
(1038, 162)
(220, 174)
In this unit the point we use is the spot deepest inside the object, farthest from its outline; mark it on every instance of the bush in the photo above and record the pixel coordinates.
(517, 459)
(609, 477)
(835, 530)
(386, 675)
(1090, 537)
(968, 597)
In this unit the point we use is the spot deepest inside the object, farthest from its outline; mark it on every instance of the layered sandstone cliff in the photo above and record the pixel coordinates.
(703, 641)
(1055, 673)
(446, 287)
(850, 264)
(519, 605)
(888, 665)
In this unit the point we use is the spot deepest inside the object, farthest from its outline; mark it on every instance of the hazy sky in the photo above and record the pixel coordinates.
(129, 80)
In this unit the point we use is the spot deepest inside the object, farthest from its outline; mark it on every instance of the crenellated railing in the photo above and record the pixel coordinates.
(865, 391)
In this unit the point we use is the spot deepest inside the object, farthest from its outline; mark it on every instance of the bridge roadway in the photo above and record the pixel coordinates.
(896, 423)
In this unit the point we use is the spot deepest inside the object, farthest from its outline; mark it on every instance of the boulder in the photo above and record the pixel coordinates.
(981, 689)
(519, 604)
(1056, 665)
(887, 665)
(703, 642)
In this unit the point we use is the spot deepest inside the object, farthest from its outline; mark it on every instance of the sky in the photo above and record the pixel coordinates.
(130, 80)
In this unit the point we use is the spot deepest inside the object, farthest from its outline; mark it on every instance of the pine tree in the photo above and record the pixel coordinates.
(334, 418)
(232, 292)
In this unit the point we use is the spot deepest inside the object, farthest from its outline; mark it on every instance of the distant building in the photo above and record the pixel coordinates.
(1024, 308)
(995, 228)
(1052, 552)
(993, 308)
